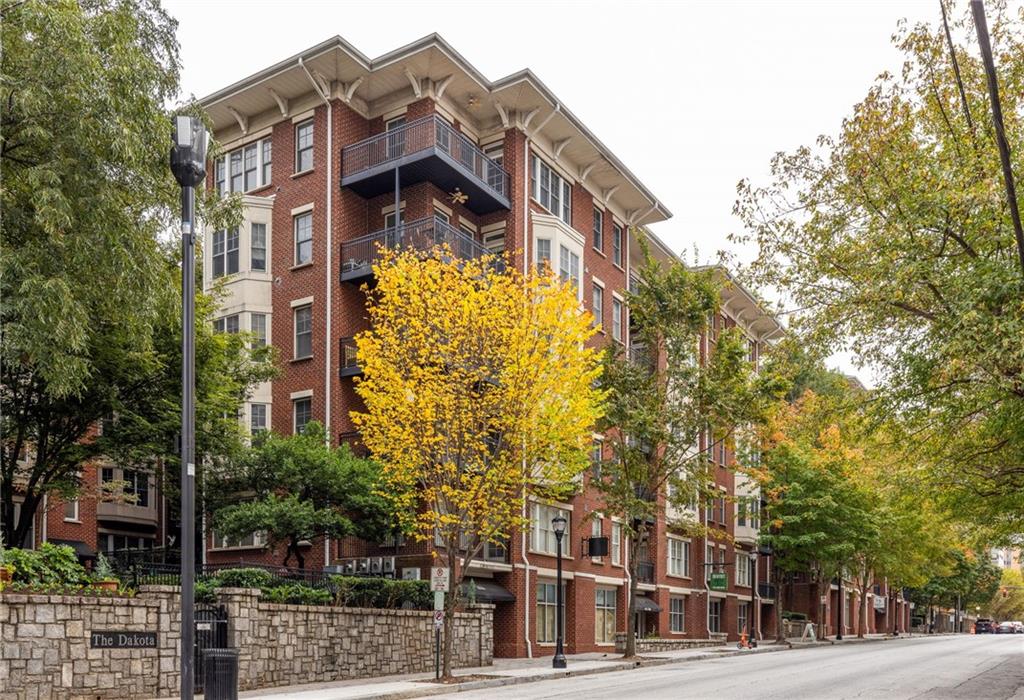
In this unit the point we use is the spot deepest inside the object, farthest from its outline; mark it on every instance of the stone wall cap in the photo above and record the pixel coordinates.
(153, 588)
(238, 591)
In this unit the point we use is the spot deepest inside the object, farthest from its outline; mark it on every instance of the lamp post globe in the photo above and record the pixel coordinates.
(558, 524)
(188, 164)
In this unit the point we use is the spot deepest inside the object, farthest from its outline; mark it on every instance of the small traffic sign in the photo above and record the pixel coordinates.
(438, 619)
(439, 579)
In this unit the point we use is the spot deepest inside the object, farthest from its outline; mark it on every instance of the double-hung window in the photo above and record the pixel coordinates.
(257, 418)
(304, 238)
(741, 618)
(303, 332)
(709, 559)
(679, 558)
(598, 230)
(266, 149)
(569, 266)
(616, 320)
(303, 412)
(550, 189)
(258, 246)
(677, 614)
(543, 253)
(604, 609)
(616, 544)
(547, 608)
(304, 146)
(597, 304)
(258, 327)
(251, 168)
(225, 252)
(715, 616)
(543, 535)
(617, 244)
(742, 569)
(236, 170)
(220, 176)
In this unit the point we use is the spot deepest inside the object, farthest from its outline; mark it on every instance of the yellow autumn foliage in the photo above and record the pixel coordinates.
(478, 385)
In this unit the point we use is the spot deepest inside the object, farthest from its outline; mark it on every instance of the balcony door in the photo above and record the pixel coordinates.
(396, 140)
(392, 235)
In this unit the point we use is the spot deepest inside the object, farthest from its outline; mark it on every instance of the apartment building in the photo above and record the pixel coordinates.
(335, 154)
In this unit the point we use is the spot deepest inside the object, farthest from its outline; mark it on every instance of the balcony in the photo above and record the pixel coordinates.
(349, 367)
(427, 149)
(766, 591)
(645, 572)
(358, 256)
(128, 512)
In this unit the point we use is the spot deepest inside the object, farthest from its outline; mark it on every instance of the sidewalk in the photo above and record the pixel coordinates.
(503, 672)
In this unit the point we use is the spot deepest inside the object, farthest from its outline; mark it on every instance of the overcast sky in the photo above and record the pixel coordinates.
(691, 96)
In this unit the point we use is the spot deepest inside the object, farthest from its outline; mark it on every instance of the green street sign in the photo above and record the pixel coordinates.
(719, 581)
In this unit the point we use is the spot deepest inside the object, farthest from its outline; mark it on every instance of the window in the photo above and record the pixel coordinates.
(226, 324)
(616, 320)
(547, 607)
(616, 544)
(304, 238)
(721, 509)
(255, 540)
(595, 531)
(597, 304)
(604, 620)
(266, 152)
(109, 542)
(617, 244)
(741, 618)
(678, 558)
(543, 254)
(741, 512)
(220, 177)
(596, 458)
(106, 475)
(709, 558)
(303, 410)
(569, 266)
(467, 229)
(225, 252)
(442, 215)
(677, 614)
(303, 332)
(495, 174)
(236, 171)
(548, 188)
(251, 171)
(30, 537)
(137, 486)
(257, 418)
(742, 569)
(715, 616)
(598, 230)
(396, 141)
(542, 536)
(71, 510)
(258, 246)
(304, 146)
(258, 327)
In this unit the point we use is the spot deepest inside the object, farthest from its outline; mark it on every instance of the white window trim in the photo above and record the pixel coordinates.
(240, 145)
(304, 301)
(77, 516)
(302, 209)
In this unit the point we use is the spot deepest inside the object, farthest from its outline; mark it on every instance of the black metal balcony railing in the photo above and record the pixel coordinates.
(359, 255)
(643, 356)
(645, 572)
(459, 162)
(766, 590)
(349, 366)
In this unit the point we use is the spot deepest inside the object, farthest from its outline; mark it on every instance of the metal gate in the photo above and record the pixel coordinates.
(211, 633)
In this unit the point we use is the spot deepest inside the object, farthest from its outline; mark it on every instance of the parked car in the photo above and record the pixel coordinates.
(1018, 627)
(1006, 628)
(983, 625)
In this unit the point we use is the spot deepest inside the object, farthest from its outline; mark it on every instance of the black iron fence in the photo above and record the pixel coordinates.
(163, 568)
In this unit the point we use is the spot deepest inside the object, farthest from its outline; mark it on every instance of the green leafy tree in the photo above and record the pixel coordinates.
(894, 239)
(90, 307)
(1008, 601)
(662, 396)
(965, 577)
(296, 488)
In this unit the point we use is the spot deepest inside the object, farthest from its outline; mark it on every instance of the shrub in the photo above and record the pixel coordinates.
(62, 589)
(358, 592)
(297, 594)
(102, 571)
(794, 616)
(245, 578)
(203, 590)
(49, 565)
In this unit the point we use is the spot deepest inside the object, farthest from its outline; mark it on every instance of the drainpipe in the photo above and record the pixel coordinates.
(330, 287)
(707, 586)
(526, 570)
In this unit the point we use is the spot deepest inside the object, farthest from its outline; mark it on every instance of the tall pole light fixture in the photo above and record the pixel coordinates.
(752, 623)
(558, 525)
(842, 607)
(188, 163)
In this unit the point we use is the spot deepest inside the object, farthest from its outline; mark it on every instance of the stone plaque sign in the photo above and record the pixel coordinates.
(122, 639)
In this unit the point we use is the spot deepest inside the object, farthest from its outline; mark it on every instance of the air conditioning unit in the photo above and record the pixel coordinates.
(376, 564)
(388, 566)
(363, 566)
(411, 573)
(349, 567)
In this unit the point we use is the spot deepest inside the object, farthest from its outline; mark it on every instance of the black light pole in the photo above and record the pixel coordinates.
(188, 163)
(753, 598)
(842, 608)
(558, 525)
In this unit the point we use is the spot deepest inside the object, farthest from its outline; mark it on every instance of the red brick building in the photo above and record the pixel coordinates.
(326, 147)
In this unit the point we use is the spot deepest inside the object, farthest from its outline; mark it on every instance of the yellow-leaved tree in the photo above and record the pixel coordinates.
(478, 388)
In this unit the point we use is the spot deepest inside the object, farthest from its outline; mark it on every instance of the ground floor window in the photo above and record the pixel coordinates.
(604, 622)
(715, 616)
(741, 618)
(112, 542)
(547, 608)
(677, 614)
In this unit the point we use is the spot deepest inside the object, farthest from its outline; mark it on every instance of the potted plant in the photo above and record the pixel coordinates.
(103, 574)
(6, 570)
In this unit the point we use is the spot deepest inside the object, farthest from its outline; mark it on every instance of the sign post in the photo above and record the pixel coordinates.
(439, 585)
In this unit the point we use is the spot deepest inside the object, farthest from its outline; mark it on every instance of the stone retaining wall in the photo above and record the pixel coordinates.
(45, 643)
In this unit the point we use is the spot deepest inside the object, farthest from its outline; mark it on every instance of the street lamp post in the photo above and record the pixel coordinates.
(188, 163)
(558, 525)
(842, 608)
(753, 598)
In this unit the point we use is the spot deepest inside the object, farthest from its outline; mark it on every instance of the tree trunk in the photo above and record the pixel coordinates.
(780, 633)
(634, 550)
(863, 625)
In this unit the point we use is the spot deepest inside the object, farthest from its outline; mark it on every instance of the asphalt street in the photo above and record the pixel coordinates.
(969, 666)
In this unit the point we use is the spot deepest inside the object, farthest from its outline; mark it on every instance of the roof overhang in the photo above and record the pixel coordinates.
(745, 306)
(429, 67)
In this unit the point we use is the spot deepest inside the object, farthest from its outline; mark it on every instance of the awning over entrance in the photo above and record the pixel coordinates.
(642, 604)
(82, 550)
(487, 591)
